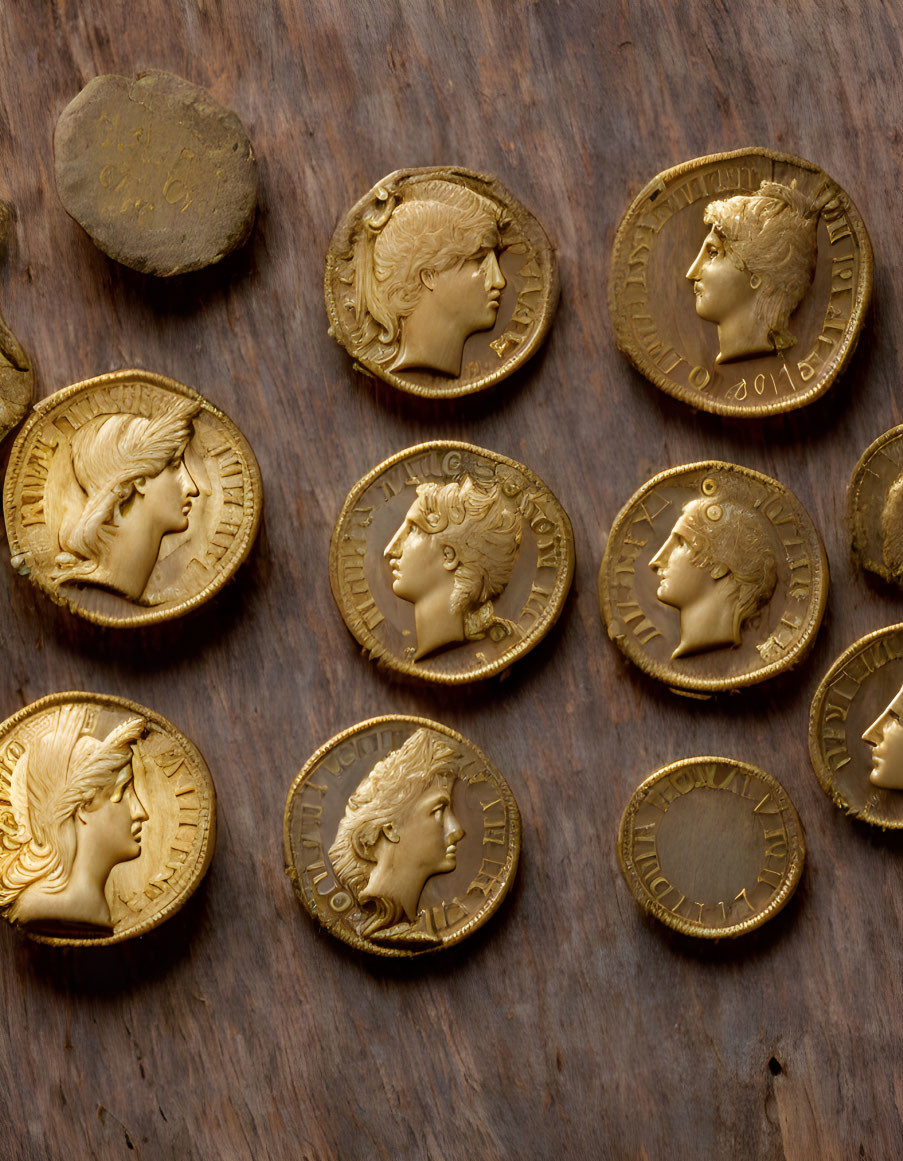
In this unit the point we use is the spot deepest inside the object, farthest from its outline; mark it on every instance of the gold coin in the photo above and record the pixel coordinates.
(440, 282)
(449, 562)
(161, 176)
(107, 819)
(713, 578)
(130, 499)
(855, 729)
(875, 507)
(401, 837)
(711, 846)
(16, 375)
(739, 282)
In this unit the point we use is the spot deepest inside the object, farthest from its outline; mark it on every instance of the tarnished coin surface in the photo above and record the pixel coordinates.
(856, 729)
(161, 176)
(875, 507)
(713, 578)
(107, 819)
(440, 282)
(739, 282)
(711, 846)
(130, 499)
(449, 562)
(16, 375)
(401, 837)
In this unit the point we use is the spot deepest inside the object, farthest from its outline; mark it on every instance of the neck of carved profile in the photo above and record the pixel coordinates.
(435, 624)
(741, 338)
(707, 624)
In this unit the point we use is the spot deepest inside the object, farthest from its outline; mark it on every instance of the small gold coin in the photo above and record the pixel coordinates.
(856, 729)
(711, 846)
(401, 837)
(107, 819)
(449, 562)
(130, 499)
(440, 282)
(875, 507)
(713, 578)
(161, 176)
(739, 282)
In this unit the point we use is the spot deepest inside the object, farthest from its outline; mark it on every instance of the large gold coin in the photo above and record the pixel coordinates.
(107, 819)
(449, 562)
(739, 282)
(440, 282)
(713, 578)
(856, 729)
(711, 846)
(875, 507)
(161, 176)
(130, 499)
(401, 837)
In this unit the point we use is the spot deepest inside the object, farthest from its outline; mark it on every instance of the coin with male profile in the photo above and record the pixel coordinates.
(449, 562)
(739, 282)
(712, 847)
(875, 507)
(856, 729)
(400, 836)
(159, 174)
(713, 578)
(130, 498)
(440, 282)
(107, 819)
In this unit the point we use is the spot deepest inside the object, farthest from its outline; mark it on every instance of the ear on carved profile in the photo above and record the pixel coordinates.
(450, 559)
(428, 277)
(388, 829)
(719, 571)
(140, 485)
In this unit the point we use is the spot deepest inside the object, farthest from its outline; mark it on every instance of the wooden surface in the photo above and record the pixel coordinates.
(570, 1027)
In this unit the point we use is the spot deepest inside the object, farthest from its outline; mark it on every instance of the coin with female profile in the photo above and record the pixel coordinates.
(713, 578)
(440, 282)
(107, 819)
(401, 837)
(856, 729)
(739, 282)
(449, 562)
(712, 847)
(130, 499)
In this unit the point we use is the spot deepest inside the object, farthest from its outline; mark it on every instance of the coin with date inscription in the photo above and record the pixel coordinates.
(711, 846)
(449, 562)
(739, 282)
(107, 819)
(400, 836)
(440, 282)
(713, 578)
(130, 498)
(856, 729)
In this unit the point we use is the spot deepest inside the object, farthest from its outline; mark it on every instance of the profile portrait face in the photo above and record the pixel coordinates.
(120, 488)
(885, 736)
(717, 568)
(427, 276)
(452, 555)
(754, 267)
(398, 831)
(79, 815)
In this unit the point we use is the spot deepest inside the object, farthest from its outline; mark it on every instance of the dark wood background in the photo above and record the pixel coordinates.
(571, 1026)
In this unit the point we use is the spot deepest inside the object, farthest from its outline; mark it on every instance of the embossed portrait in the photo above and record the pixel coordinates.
(115, 491)
(78, 814)
(426, 277)
(399, 829)
(754, 267)
(885, 736)
(892, 528)
(453, 554)
(717, 568)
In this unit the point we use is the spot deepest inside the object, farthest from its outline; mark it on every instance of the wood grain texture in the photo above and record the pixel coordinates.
(570, 1026)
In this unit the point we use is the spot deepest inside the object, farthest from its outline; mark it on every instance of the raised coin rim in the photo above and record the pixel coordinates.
(698, 399)
(789, 881)
(711, 684)
(295, 874)
(853, 509)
